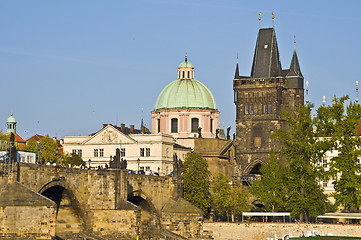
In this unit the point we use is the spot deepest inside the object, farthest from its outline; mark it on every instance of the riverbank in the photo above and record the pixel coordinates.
(258, 231)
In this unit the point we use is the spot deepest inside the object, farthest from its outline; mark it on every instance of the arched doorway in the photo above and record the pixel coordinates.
(67, 213)
(252, 173)
(149, 220)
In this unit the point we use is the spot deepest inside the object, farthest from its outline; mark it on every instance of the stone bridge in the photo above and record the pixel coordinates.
(112, 203)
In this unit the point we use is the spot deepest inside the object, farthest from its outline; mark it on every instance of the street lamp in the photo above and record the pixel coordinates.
(39, 152)
(89, 161)
(138, 161)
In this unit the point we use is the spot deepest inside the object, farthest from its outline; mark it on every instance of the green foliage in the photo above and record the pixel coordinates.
(345, 168)
(74, 160)
(227, 198)
(31, 146)
(49, 150)
(196, 181)
(303, 150)
(272, 188)
(221, 192)
(4, 141)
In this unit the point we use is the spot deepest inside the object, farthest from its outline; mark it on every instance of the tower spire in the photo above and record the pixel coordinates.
(236, 75)
(356, 91)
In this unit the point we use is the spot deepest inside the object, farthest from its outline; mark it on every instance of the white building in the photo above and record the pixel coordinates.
(142, 151)
(22, 156)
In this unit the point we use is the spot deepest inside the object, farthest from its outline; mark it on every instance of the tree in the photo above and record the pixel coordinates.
(228, 198)
(49, 149)
(303, 151)
(31, 146)
(345, 168)
(220, 194)
(196, 181)
(74, 160)
(272, 188)
(4, 141)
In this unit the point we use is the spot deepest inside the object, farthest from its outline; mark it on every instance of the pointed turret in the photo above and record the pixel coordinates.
(295, 69)
(266, 61)
(236, 75)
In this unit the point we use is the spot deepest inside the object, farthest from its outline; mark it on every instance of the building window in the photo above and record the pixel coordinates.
(246, 109)
(73, 151)
(211, 127)
(141, 168)
(174, 125)
(265, 109)
(167, 152)
(142, 152)
(96, 153)
(269, 108)
(324, 184)
(158, 124)
(183, 74)
(251, 109)
(147, 153)
(147, 168)
(195, 124)
(189, 75)
(101, 152)
(80, 153)
(122, 152)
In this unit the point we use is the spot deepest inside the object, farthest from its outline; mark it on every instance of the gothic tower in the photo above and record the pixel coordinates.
(260, 98)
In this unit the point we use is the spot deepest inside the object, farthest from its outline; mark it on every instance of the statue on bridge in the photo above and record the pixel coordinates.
(118, 163)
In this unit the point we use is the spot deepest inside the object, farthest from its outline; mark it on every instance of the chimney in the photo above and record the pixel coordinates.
(131, 128)
(122, 127)
(104, 125)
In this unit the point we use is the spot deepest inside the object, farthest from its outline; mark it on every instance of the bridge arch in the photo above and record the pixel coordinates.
(150, 218)
(69, 216)
(254, 167)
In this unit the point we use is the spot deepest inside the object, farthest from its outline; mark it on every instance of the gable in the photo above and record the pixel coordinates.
(109, 135)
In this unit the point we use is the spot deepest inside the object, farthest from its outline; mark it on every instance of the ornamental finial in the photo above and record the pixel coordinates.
(259, 20)
(186, 57)
(273, 19)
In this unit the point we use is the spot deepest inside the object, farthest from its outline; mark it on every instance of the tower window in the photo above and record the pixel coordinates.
(269, 108)
(174, 125)
(189, 75)
(265, 109)
(251, 109)
(195, 124)
(211, 125)
(183, 74)
(246, 109)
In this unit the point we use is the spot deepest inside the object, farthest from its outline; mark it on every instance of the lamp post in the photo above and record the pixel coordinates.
(138, 161)
(39, 152)
(89, 161)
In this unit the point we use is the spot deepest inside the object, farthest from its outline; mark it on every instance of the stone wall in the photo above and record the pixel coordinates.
(258, 231)
(115, 224)
(27, 222)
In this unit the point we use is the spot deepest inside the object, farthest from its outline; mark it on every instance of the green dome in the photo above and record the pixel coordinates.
(185, 64)
(185, 94)
(11, 119)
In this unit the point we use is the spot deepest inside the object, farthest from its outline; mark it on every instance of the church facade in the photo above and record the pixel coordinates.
(260, 98)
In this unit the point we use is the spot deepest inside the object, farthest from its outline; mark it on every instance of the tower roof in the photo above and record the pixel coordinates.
(295, 69)
(266, 61)
(11, 119)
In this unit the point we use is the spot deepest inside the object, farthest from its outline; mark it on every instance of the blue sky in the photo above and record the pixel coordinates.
(67, 67)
